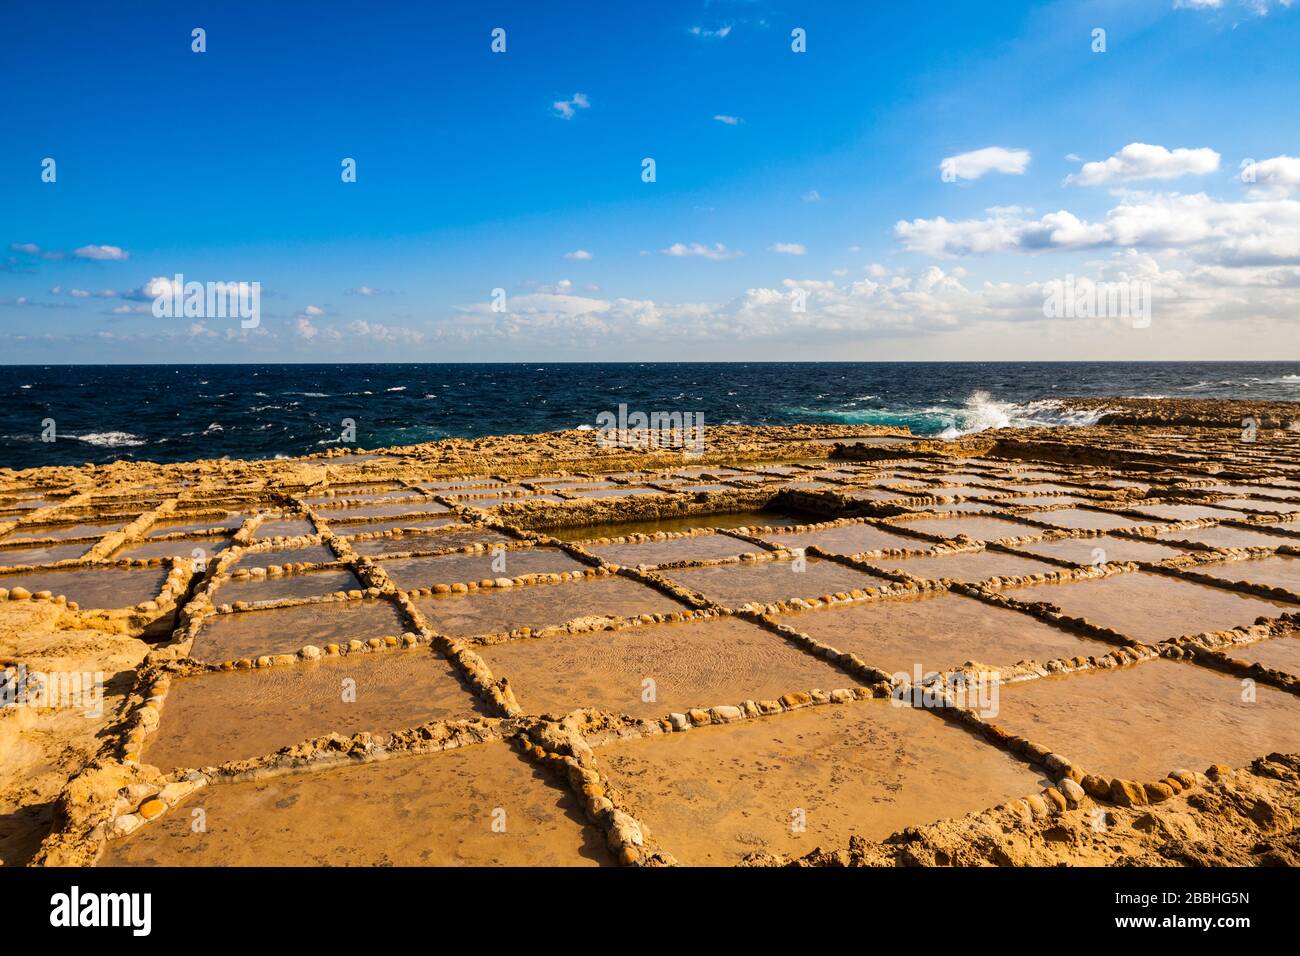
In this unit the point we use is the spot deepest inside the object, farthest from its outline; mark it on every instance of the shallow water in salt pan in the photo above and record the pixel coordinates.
(866, 769)
(1152, 607)
(409, 573)
(1084, 550)
(541, 605)
(413, 506)
(1142, 721)
(699, 548)
(97, 588)
(1083, 518)
(767, 581)
(284, 528)
(979, 528)
(695, 664)
(1225, 536)
(368, 527)
(209, 545)
(285, 630)
(1279, 653)
(310, 554)
(1277, 572)
(305, 585)
(425, 810)
(195, 525)
(65, 532)
(434, 541)
(938, 631)
(1255, 504)
(1176, 512)
(979, 566)
(848, 539)
(220, 716)
(43, 555)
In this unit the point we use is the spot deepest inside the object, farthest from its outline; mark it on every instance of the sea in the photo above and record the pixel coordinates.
(75, 414)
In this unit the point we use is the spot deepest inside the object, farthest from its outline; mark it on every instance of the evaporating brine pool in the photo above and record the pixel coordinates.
(700, 547)
(692, 664)
(305, 585)
(938, 631)
(252, 633)
(1141, 722)
(716, 794)
(766, 582)
(105, 588)
(426, 810)
(1153, 607)
(408, 573)
(540, 606)
(221, 716)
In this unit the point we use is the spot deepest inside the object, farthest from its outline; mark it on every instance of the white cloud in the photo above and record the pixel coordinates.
(304, 328)
(1143, 161)
(1191, 305)
(717, 251)
(313, 310)
(560, 287)
(1280, 171)
(718, 34)
(578, 255)
(812, 195)
(1259, 8)
(991, 159)
(1209, 230)
(377, 332)
(788, 248)
(102, 253)
(728, 120)
(566, 108)
(365, 290)
(940, 237)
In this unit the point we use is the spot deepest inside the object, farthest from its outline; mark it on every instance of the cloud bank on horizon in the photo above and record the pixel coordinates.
(742, 182)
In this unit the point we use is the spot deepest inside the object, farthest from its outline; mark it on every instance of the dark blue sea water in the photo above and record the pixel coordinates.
(174, 413)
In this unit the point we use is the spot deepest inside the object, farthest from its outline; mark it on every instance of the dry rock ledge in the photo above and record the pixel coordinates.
(70, 784)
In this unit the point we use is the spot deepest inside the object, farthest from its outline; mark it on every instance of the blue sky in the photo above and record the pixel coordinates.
(780, 175)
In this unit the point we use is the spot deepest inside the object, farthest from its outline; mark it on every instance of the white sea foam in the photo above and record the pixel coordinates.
(111, 439)
(981, 412)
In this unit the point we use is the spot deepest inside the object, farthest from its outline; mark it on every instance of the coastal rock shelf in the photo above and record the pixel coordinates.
(536, 650)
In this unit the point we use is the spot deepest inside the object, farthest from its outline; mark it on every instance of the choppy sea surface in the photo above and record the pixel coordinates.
(103, 413)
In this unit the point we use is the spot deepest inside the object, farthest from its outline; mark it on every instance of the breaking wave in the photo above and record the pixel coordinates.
(977, 413)
(981, 412)
(111, 439)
